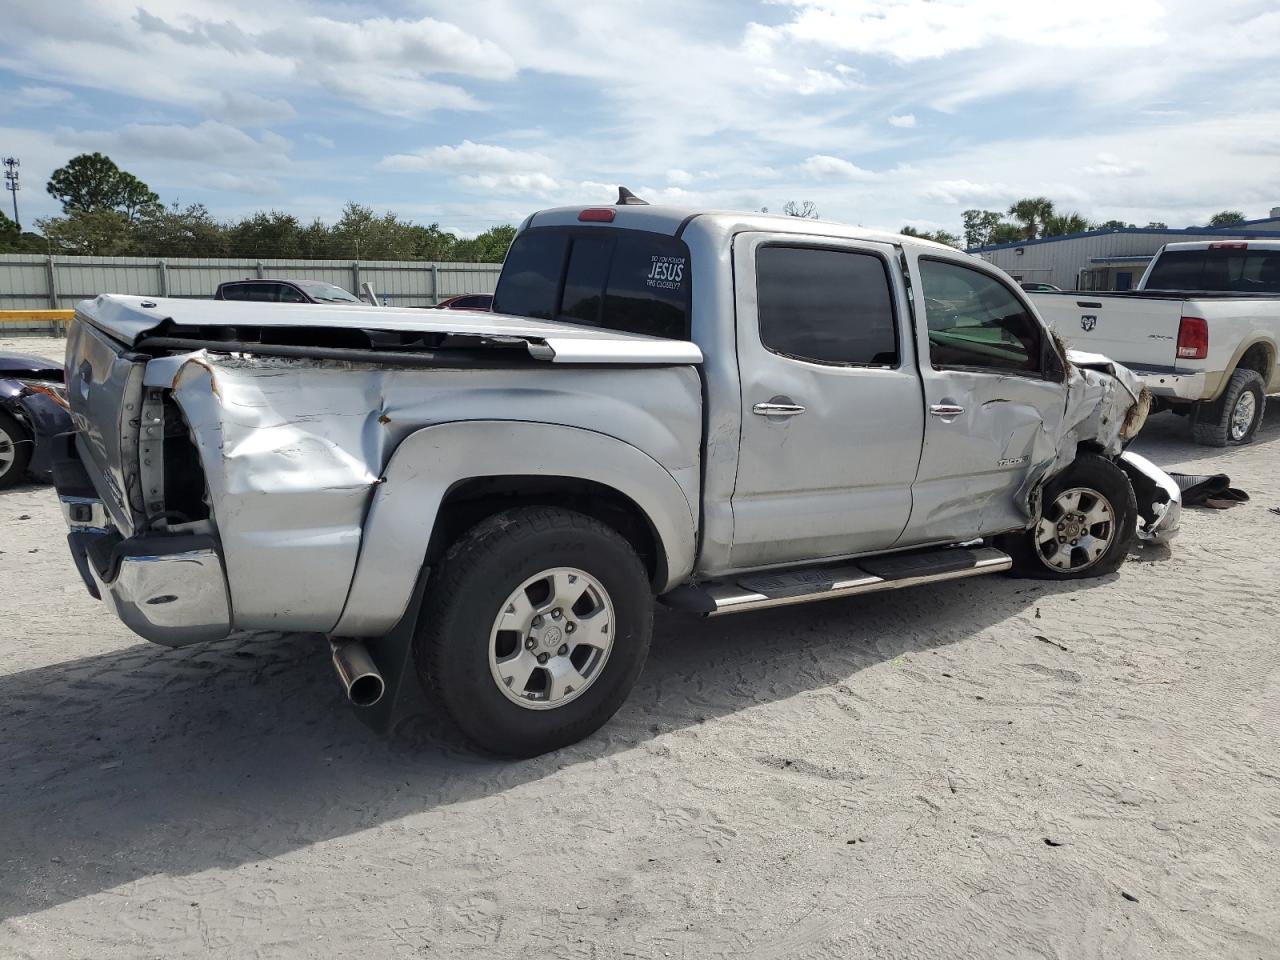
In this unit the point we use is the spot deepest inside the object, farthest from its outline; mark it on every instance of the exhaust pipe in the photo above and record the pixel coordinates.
(358, 673)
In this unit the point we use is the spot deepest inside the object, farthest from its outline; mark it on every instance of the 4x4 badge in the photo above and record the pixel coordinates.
(1088, 322)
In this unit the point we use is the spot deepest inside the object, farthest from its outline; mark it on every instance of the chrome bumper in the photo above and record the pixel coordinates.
(1159, 498)
(169, 589)
(1178, 386)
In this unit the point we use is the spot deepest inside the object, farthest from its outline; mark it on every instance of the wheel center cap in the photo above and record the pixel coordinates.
(552, 637)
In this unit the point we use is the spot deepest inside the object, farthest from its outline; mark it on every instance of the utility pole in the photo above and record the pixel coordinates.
(11, 165)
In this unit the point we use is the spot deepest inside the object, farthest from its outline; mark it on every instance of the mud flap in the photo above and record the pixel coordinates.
(393, 655)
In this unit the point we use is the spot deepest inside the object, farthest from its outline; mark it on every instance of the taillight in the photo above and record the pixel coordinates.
(1193, 339)
(596, 215)
(1228, 246)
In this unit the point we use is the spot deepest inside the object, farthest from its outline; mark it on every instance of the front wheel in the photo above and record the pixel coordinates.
(15, 451)
(1087, 524)
(536, 628)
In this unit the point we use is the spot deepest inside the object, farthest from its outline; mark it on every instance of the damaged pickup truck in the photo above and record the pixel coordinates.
(725, 411)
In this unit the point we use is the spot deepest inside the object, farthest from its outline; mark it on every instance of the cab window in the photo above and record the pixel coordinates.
(616, 279)
(826, 306)
(976, 322)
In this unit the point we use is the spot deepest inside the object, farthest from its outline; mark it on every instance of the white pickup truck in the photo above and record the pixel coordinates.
(1201, 329)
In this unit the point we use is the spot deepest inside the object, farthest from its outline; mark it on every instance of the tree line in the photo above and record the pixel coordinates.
(109, 212)
(1036, 217)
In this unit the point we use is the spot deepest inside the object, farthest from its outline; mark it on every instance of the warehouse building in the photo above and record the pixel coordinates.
(1111, 259)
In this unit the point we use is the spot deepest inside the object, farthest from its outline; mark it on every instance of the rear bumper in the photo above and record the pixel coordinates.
(1175, 386)
(167, 588)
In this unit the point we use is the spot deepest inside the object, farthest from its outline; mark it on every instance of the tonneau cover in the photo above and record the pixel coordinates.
(130, 319)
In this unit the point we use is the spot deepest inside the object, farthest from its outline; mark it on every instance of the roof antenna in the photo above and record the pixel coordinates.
(627, 198)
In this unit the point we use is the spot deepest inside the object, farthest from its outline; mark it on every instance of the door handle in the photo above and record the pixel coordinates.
(945, 410)
(778, 407)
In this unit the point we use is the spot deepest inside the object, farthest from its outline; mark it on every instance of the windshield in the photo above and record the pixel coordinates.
(326, 291)
(628, 280)
(1222, 270)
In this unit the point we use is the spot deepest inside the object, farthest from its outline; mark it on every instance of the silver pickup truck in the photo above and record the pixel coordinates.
(726, 411)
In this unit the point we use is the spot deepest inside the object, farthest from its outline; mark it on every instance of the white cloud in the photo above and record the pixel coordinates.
(250, 183)
(420, 46)
(39, 96)
(467, 157)
(968, 192)
(210, 142)
(1109, 165)
(246, 109)
(681, 178)
(913, 30)
(906, 121)
(319, 140)
(539, 184)
(833, 168)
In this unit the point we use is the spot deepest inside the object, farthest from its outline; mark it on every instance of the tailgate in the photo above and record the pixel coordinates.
(104, 388)
(1140, 332)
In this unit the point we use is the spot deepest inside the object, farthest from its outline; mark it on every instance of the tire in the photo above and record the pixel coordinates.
(461, 647)
(1235, 416)
(15, 451)
(1098, 481)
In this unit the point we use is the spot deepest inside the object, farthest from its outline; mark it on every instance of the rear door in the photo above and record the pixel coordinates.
(831, 404)
(994, 395)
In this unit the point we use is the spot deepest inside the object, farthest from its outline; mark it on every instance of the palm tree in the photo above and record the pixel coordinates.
(1032, 213)
(1060, 224)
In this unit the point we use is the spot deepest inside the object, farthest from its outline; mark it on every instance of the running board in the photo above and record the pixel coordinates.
(892, 572)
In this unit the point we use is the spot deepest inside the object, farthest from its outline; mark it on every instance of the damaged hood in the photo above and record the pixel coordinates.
(132, 319)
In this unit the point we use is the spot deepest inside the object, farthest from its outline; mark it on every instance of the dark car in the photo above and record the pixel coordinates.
(284, 291)
(33, 410)
(468, 301)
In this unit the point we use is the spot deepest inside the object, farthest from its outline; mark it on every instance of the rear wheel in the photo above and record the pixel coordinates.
(536, 627)
(1087, 524)
(15, 451)
(1235, 416)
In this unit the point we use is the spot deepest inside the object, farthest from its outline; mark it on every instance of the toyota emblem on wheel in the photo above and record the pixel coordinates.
(1088, 322)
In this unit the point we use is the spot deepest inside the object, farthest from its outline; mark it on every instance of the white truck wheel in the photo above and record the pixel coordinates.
(1235, 416)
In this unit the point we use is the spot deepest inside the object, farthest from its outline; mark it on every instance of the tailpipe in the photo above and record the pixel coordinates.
(358, 673)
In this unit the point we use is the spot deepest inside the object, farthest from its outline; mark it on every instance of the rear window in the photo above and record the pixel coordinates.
(626, 280)
(1228, 271)
(826, 306)
(264, 292)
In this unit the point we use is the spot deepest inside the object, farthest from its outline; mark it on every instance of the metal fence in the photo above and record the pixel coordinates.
(31, 281)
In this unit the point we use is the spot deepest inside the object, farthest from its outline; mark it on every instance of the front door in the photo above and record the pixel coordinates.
(994, 395)
(831, 403)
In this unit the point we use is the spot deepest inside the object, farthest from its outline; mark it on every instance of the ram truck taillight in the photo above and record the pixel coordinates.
(1193, 339)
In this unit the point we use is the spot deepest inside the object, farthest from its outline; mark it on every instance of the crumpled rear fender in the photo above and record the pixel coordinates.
(430, 461)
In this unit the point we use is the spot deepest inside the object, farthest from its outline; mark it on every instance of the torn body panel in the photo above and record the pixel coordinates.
(1105, 407)
(293, 450)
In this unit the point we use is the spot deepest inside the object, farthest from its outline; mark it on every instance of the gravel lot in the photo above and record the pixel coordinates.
(987, 769)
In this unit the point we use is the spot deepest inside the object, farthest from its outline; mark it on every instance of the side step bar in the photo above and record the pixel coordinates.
(761, 590)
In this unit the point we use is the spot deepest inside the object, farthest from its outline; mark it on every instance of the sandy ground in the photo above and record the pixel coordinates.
(987, 769)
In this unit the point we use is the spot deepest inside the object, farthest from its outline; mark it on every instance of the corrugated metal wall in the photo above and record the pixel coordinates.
(1060, 261)
(31, 281)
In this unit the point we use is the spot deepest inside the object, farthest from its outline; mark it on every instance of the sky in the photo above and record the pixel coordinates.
(470, 114)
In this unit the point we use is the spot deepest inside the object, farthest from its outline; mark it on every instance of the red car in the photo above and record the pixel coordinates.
(468, 301)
